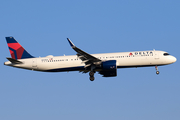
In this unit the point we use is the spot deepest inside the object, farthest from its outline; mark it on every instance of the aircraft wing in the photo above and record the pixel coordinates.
(85, 57)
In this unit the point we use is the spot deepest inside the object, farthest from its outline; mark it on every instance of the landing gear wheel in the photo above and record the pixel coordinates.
(91, 74)
(91, 78)
(157, 72)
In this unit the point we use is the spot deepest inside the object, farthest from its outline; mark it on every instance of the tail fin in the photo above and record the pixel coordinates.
(16, 50)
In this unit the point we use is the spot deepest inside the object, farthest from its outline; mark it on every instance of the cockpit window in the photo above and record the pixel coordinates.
(165, 54)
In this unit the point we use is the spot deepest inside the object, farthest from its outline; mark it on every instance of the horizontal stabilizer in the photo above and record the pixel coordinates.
(14, 61)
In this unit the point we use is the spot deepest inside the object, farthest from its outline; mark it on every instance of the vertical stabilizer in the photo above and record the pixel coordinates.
(16, 50)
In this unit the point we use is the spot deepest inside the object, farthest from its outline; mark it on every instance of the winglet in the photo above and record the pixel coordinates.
(72, 45)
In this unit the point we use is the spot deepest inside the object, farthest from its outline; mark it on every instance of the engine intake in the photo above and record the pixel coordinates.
(109, 68)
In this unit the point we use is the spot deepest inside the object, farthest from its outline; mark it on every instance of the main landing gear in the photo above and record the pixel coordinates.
(157, 72)
(91, 74)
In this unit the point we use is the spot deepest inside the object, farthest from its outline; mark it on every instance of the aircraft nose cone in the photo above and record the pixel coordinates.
(174, 59)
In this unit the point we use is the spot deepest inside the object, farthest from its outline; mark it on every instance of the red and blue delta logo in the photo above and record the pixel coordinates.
(130, 54)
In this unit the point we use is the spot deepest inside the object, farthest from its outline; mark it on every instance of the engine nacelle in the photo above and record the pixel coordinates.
(109, 68)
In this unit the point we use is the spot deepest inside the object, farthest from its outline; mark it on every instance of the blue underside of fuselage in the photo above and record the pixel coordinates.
(81, 68)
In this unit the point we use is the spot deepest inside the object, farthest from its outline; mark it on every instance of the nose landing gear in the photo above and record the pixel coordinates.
(157, 72)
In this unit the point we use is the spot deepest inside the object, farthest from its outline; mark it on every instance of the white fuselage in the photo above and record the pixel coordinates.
(73, 63)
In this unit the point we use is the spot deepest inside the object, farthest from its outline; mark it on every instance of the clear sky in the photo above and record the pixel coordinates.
(95, 26)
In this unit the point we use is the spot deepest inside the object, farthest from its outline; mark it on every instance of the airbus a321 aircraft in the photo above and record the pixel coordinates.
(105, 64)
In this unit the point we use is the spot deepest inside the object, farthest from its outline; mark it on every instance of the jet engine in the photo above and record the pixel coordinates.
(108, 68)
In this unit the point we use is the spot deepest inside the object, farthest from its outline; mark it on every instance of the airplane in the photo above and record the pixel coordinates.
(105, 64)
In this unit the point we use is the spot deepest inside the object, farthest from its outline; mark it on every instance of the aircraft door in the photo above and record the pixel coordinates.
(156, 55)
(34, 63)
